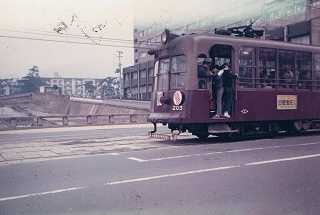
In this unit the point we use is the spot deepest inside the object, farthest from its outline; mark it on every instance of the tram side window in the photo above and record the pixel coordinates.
(163, 74)
(316, 75)
(202, 72)
(267, 68)
(178, 69)
(247, 67)
(304, 69)
(287, 76)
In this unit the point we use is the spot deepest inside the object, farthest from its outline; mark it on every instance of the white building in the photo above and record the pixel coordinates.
(79, 87)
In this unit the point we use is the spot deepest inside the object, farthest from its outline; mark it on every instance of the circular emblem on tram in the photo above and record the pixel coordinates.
(244, 111)
(177, 98)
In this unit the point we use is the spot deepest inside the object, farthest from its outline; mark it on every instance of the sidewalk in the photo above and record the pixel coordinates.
(77, 128)
(48, 149)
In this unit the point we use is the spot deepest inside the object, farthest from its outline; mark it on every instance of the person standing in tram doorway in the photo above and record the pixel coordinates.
(203, 72)
(217, 88)
(228, 84)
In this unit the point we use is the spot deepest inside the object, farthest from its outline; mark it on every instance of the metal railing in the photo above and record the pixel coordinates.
(70, 120)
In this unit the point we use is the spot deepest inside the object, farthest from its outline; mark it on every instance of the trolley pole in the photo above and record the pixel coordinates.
(120, 73)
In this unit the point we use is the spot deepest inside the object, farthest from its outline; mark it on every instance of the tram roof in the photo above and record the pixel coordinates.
(232, 40)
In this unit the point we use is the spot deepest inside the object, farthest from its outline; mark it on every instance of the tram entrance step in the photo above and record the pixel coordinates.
(220, 128)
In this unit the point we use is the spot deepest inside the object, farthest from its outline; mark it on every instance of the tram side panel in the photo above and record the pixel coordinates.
(248, 106)
(197, 106)
(276, 105)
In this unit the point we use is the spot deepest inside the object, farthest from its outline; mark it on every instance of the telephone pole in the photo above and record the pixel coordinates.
(120, 73)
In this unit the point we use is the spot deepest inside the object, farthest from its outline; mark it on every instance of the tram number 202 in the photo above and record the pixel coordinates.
(177, 108)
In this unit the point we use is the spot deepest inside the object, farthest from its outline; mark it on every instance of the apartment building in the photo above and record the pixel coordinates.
(79, 87)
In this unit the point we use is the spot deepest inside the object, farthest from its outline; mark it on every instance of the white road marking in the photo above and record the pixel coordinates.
(176, 157)
(136, 159)
(192, 172)
(219, 152)
(170, 175)
(282, 160)
(245, 150)
(41, 194)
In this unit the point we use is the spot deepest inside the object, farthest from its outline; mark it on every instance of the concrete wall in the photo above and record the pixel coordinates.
(49, 104)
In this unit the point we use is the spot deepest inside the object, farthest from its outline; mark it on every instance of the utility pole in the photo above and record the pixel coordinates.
(120, 73)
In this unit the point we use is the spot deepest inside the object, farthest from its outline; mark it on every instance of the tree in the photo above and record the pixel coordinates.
(32, 81)
(89, 88)
(110, 87)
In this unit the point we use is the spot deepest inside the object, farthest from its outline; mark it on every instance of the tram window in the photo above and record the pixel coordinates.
(202, 72)
(163, 74)
(316, 75)
(267, 68)
(221, 54)
(178, 69)
(304, 69)
(247, 67)
(287, 74)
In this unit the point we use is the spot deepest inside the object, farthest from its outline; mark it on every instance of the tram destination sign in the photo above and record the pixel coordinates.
(287, 102)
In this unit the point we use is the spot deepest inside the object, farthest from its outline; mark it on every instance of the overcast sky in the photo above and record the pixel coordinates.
(69, 60)
(91, 19)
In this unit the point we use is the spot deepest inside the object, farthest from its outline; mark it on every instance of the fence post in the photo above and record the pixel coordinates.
(94, 119)
(34, 121)
(13, 122)
(89, 119)
(65, 121)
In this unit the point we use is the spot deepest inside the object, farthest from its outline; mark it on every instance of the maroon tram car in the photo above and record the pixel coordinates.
(277, 89)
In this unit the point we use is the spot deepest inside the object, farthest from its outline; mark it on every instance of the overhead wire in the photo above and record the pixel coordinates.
(70, 42)
(76, 36)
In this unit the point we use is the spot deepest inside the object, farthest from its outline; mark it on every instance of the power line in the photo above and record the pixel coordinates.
(77, 36)
(70, 42)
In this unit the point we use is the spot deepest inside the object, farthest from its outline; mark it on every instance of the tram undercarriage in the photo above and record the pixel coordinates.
(238, 129)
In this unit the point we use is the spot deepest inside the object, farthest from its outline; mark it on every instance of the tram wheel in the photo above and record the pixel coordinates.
(296, 128)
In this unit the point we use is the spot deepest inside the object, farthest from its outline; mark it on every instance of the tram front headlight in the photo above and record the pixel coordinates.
(178, 98)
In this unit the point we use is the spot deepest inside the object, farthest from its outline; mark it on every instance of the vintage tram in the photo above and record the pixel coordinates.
(277, 89)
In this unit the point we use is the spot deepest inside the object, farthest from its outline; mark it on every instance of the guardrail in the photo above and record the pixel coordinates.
(69, 120)
(16, 99)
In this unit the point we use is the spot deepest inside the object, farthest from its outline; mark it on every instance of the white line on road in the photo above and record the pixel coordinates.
(170, 175)
(136, 159)
(208, 170)
(219, 152)
(159, 177)
(173, 157)
(282, 160)
(41, 194)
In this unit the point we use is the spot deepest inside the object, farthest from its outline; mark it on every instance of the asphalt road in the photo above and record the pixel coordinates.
(264, 176)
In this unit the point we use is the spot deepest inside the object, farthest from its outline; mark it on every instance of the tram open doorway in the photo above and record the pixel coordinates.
(222, 91)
